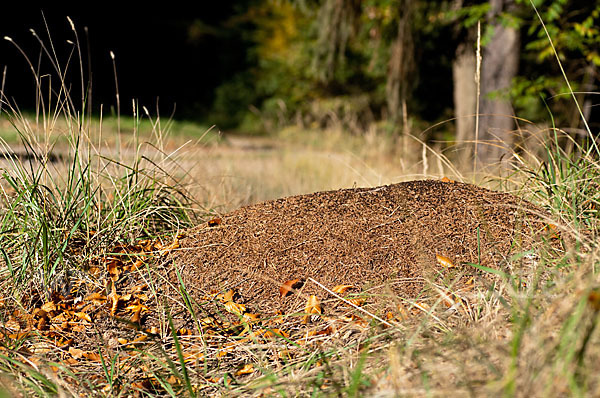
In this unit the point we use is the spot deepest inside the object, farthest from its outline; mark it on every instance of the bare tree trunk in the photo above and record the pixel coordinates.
(499, 67)
(401, 64)
(465, 99)
(336, 27)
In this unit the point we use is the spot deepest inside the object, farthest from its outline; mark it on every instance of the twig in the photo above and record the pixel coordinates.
(349, 303)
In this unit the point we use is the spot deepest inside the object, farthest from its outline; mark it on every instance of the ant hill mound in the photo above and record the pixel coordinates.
(401, 239)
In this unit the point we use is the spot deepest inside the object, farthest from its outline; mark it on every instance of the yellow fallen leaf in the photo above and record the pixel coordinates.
(275, 333)
(312, 309)
(228, 296)
(245, 370)
(249, 318)
(96, 298)
(357, 301)
(444, 261)
(341, 289)
(235, 308)
(83, 316)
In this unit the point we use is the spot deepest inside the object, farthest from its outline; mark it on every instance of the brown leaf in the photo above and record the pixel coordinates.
(49, 306)
(289, 286)
(228, 296)
(341, 289)
(403, 313)
(359, 301)
(76, 352)
(249, 318)
(135, 318)
(552, 231)
(136, 265)
(275, 333)
(234, 308)
(113, 297)
(12, 324)
(214, 222)
(92, 356)
(83, 316)
(96, 298)
(594, 299)
(41, 324)
(444, 261)
(245, 370)
(166, 249)
(113, 268)
(313, 306)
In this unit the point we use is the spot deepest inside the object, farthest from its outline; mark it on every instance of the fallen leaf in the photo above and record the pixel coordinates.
(552, 231)
(341, 289)
(357, 301)
(312, 309)
(214, 222)
(403, 313)
(594, 299)
(49, 306)
(289, 286)
(76, 352)
(113, 269)
(166, 249)
(83, 316)
(114, 299)
(135, 318)
(92, 356)
(245, 370)
(96, 298)
(444, 261)
(421, 306)
(248, 317)
(136, 265)
(275, 333)
(235, 308)
(228, 296)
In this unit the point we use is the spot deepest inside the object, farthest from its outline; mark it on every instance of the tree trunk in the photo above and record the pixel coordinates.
(336, 26)
(465, 99)
(499, 66)
(400, 65)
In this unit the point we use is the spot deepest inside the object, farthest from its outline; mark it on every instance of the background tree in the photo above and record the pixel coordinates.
(499, 67)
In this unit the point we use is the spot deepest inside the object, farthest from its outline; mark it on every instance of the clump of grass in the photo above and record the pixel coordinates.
(65, 197)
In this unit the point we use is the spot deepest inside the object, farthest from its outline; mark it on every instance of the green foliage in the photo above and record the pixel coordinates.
(306, 55)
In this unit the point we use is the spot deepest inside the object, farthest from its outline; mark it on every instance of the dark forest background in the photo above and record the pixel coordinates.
(257, 65)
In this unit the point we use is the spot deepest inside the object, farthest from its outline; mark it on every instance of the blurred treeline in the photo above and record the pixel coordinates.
(400, 63)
